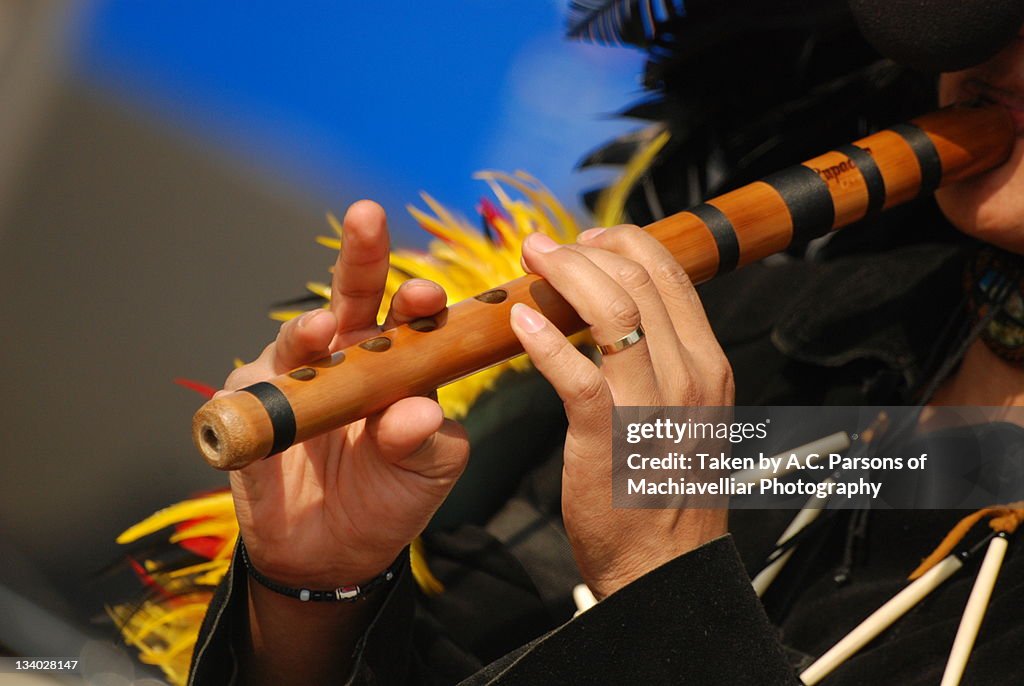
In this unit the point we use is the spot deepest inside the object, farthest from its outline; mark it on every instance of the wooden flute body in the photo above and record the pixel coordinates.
(745, 225)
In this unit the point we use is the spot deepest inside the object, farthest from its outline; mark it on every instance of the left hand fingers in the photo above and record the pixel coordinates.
(580, 385)
(670, 360)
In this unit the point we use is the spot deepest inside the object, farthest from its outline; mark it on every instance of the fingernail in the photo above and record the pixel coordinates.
(542, 243)
(422, 283)
(305, 319)
(527, 319)
(590, 234)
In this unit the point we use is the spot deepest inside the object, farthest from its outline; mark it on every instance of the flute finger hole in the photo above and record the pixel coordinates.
(304, 374)
(493, 297)
(423, 324)
(376, 345)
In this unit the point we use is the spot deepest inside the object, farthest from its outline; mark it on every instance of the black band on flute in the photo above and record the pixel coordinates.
(724, 234)
(927, 156)
(282, 419)
(871, 174)
(809, 201)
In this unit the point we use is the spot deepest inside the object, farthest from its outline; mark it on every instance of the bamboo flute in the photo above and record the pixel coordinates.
(797, 204)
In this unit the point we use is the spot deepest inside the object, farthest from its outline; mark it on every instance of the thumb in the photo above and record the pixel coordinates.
(413, 435)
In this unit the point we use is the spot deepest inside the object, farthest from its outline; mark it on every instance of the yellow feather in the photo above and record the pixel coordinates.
(286, 315)
(425, 579)
(217, 527)
(213, 577)
(168, 618)
(611, 205)
(419, 268)
(195, 569)
(442, 213)
(328, 242)
(335, 225)
(179, 512)
(321, 289)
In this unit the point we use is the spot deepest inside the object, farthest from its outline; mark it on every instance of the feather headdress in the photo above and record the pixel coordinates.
(741, 88)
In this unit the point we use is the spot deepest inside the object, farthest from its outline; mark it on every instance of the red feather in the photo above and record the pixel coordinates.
(204, 546)
(200, 388)
(491, 212)
(147, 579)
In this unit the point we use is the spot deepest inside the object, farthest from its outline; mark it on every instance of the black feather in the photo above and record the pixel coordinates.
(307, 299)
(618, 151)
(747, 87)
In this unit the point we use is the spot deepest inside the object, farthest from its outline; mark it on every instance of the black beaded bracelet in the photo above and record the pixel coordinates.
(345, 594)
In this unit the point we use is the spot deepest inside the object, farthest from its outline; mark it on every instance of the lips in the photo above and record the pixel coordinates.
(1013, 100)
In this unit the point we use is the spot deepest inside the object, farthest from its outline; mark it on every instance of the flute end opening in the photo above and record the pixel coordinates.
(231, 434)
(209, 439)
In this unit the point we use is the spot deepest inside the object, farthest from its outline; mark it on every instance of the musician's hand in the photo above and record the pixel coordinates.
(339, 508)
(615, 279)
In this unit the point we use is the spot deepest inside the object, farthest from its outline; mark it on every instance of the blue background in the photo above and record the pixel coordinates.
(371, 99)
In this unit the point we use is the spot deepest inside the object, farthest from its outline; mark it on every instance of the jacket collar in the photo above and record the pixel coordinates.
(891, 307)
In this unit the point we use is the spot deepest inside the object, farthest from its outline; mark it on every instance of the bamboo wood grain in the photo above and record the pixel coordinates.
(236, 429)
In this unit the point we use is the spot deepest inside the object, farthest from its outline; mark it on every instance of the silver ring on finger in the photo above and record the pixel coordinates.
(627, 341)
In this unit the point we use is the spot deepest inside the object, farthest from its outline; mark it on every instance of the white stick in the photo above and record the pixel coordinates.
(833, 443)
(584, 598)
(974, 613)
(801, 521)
(880, 620)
